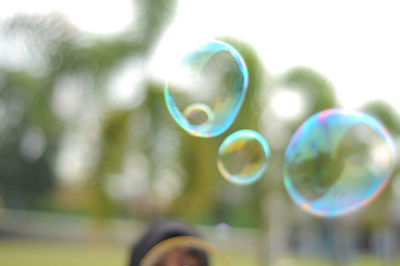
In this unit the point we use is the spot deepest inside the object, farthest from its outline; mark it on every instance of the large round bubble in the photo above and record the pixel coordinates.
(205, 91)
(184, 250)
(337, 162)
(243, 157)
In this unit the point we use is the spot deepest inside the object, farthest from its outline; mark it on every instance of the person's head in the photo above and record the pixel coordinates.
(160, 231)
(181, 256)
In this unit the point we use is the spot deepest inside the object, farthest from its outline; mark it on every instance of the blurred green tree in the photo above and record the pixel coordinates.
(177, 172)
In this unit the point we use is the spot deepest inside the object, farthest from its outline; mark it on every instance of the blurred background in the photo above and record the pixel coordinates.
(89, 153)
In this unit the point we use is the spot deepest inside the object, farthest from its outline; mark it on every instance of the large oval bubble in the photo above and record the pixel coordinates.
(243, 157)
(205, 91)
(337, 162)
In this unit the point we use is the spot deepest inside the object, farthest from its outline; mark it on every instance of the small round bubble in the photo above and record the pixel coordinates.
(243, 157)
(198, 114)
(206, 88)
(338, 161)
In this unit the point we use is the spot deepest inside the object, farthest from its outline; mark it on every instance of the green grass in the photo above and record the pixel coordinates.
(23, 253)
(46, 253)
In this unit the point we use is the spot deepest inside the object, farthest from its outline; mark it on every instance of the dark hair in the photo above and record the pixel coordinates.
(159, 231)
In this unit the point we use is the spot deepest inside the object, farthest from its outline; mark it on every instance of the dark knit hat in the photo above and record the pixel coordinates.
(159, 231)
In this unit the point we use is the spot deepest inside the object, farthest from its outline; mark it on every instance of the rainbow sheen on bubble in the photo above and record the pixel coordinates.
(205, 91)
(198, 114)
(337, 162)
(182, 251)
(243, 157)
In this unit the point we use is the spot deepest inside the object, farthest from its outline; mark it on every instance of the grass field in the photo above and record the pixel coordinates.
(44, 253)
(21, 253)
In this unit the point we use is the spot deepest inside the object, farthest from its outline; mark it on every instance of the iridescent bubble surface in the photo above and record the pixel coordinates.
(184, 251)
(243, 157)
(198, 114)
(205, 91)
(337, 162)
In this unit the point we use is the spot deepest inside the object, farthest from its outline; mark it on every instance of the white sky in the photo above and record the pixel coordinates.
(355, 44)
(107, 16)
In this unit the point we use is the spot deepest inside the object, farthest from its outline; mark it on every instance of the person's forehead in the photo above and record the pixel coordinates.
(179, 256)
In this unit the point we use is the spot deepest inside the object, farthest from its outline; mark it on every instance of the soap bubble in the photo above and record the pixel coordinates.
(337, 162)
(243, 157)
(205, 91)
(184, 250)
(198, 114)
